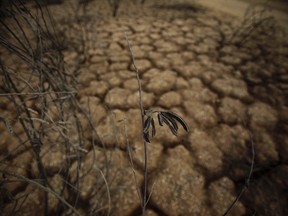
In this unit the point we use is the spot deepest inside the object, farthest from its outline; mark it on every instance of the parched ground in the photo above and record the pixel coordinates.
(226, 80)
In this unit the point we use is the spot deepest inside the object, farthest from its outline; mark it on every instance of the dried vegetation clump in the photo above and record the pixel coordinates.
(45, 128)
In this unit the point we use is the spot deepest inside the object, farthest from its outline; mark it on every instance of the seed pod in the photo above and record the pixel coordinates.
(146, 136)
(179, 119)
(171, 127)
(153, 127)
(170, 119)
(160, 119)
(147, 124)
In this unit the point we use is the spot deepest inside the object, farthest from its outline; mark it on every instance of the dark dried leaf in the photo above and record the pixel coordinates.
(179, 119)
(147, 124)
(153, 127)
(160, 119)
(169, 118)
(146, 136)
(173, 130)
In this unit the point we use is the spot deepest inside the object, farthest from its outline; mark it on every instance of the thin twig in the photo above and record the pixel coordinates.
(108, 190)
(37, 93)
(45, 188)
(45, 64)
(144, 203)
(131, 161)
(247, 182)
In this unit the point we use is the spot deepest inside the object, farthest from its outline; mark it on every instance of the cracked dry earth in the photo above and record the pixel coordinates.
(229, 94)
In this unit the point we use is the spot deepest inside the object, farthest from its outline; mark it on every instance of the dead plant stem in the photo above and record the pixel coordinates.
(39, 184)
(248, 179)
(144, 198)
(37, 93)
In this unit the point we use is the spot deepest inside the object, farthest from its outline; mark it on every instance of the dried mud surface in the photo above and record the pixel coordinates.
(192, 61)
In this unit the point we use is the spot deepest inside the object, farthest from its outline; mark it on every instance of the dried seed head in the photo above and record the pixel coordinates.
(164, 117)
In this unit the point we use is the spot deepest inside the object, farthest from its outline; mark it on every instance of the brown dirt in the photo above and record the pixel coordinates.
(192, 61)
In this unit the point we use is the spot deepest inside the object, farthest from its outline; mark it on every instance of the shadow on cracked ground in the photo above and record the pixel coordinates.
(226, 77)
